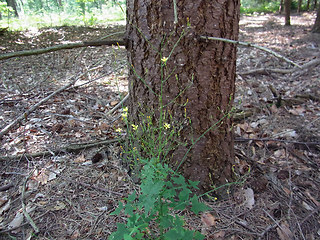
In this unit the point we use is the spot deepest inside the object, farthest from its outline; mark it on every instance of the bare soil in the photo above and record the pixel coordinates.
(70, 194)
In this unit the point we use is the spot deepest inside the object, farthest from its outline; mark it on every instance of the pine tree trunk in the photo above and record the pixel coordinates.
(13, 4)
(316, 26)
(281, 7)
(299, 6)
(315, 4)
(199, 79)
(287, 10)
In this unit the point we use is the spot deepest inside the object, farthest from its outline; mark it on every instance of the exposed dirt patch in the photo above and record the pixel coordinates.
(70, 197)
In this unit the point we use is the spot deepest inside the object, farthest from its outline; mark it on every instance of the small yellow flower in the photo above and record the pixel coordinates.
(125, 109)
(118, 130)
(166, 125)
(124, 115)
(164, 60)
(135, 127)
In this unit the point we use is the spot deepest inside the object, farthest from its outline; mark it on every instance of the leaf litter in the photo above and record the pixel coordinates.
(72, 194)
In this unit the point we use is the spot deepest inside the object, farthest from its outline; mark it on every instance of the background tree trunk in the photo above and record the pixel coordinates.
(316, 26)
(13, 4)
(308, 5)
(299, 6)
(209, 65)
(287, 10)
(315, 4)
(281, 7)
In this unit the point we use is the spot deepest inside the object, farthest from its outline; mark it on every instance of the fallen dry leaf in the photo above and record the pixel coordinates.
(113, 103)
(5, 207)
(208, 219)
(80, 159)
(219, 235)
(17, 221)
(297, 111)
(249, 195)
(284, 232)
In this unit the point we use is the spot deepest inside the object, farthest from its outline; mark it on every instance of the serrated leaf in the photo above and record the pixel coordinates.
(184, 195)
(129, 209)
(172, 235)
(119, 234)
(179, 180)
(132, 197)
(166, 222)
(194, 184)
(128, 237)
(179, 206)
(198, 206)
(151, 188)
(198, 236)
(118, 210)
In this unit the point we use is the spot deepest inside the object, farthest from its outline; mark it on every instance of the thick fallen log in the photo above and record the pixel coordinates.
(62, 47)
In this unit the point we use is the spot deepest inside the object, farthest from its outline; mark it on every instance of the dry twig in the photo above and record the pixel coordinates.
(61, 47)
(246, 44)
(24, 115)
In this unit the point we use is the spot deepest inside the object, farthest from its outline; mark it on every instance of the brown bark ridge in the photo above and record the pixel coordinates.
(201, 80)
(287, 10)
(316, 26)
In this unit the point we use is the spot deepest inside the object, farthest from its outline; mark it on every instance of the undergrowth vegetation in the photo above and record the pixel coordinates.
(154, 211)
(86, 15)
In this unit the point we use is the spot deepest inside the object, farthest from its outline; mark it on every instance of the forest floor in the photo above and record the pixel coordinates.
(61, 163)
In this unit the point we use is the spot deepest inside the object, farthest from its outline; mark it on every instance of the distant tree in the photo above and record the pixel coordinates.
(13, 4)
(281, 6)
(287, 11)
(308, 5)
(299, 6)
(315, 4)
(316, 26)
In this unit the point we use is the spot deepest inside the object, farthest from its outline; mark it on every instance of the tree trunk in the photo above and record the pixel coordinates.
(316, 26)
(199, 84)
(281, 7)
(308, 5)
(299, 6)
(13, 4)
(315, 4)
(287, 10)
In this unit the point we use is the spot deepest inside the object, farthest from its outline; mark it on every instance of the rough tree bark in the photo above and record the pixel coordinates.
(316, 26)
(13, 4)
(308, 5)
(287, 10)
(281, 7)
(206, 69)
(299, 6)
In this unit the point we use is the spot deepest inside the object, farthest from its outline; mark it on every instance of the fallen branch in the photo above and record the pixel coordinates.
(275, 140)
(246, 44)
(24, 115)
(72, 148)
(24, 208)
(24, 224)
(61, 47)
(34, 107)
(6, 187)
(282, 71)
(118, 105)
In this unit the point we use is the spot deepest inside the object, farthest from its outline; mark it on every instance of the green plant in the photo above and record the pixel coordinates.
(162, 195)
(4, 9)
(154, 211)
